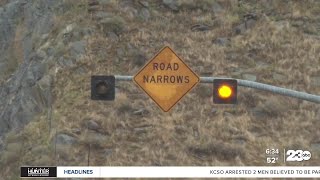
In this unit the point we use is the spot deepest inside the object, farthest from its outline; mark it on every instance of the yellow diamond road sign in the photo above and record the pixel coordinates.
(166, 79)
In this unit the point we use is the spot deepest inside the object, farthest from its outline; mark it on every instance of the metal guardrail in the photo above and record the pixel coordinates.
(251, 84)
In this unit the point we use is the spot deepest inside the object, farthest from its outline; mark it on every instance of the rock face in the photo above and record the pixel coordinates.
(26, 88)
(200, 27)
(221, 41)
(78, 48)
(315, 81)
(93, 125)
(249, 22)
(171, 4)
(65, 139)
(249, 77)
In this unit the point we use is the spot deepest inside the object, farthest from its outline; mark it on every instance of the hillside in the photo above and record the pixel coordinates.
(50, 49)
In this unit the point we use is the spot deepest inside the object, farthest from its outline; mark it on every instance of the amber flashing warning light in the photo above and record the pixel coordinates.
(225, 91)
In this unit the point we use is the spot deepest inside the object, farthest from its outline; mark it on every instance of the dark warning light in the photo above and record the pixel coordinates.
(103, 88)
(225, 91)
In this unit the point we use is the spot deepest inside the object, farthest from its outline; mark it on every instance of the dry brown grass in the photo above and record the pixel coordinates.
(191, 133)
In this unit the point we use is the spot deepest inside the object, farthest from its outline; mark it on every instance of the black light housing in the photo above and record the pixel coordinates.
(103, 88)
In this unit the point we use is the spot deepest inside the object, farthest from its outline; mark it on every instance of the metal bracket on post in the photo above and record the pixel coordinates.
(254, 85)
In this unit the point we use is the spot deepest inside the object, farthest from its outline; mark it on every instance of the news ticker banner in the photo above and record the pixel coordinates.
(172, 172)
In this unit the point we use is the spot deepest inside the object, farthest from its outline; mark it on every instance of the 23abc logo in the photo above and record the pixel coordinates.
(298, 155)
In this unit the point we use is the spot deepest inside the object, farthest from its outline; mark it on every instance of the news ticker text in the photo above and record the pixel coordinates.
(171, 171)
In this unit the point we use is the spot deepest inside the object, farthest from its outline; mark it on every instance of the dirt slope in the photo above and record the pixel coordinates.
(274, 42)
